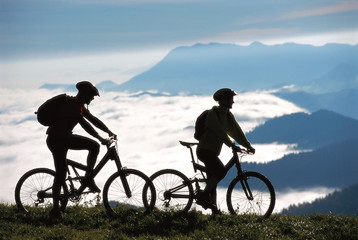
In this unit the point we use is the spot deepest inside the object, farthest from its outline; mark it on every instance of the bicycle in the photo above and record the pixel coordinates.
(248, 192)
(124, 188)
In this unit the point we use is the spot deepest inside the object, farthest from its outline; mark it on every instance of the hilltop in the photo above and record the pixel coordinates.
(93, 223)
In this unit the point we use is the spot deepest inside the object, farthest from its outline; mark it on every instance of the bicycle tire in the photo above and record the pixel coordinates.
(166, 179)
(262, 192)
(115, 197)
(29, 190)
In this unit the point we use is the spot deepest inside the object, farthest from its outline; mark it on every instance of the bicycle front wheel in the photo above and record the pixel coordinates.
(174, 190)
(129, 189)
(251, 193)
(34, 190)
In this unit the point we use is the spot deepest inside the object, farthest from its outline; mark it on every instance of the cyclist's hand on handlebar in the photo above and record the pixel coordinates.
(105, 141)
(112, 135)
(251, 150)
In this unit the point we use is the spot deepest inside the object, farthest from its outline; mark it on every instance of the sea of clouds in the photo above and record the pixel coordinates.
(148, 127)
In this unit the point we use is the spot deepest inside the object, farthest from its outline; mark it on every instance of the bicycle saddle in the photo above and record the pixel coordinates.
(188, 144)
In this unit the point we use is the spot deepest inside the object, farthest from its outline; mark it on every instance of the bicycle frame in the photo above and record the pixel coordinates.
(234, 160)
(110, 155)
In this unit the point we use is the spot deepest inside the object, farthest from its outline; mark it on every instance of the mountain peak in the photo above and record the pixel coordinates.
(257, 44)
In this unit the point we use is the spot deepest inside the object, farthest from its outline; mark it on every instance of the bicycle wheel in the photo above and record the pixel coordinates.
(115, 196)
(174, 190)
(251, 193)
(34, 189)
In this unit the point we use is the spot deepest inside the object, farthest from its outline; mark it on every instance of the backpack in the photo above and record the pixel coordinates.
(47, 112)
(200, 124)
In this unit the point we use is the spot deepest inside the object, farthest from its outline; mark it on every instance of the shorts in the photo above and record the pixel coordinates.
(213, 164)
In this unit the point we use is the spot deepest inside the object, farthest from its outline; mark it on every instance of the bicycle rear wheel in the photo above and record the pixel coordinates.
(251, 193)
(34, 190)
(142, 192)
(174, 190)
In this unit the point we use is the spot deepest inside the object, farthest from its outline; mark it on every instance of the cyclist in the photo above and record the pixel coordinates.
(220, 123)
(60, 137)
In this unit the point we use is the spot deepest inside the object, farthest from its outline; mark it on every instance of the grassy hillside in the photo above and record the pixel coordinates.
(93, 223)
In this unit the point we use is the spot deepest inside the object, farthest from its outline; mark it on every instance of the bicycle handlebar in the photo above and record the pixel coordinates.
(238, 149)
(109, 141)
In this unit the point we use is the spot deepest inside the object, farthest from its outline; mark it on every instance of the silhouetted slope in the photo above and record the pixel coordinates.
(344, 202)
(307, 130)
(330, 166)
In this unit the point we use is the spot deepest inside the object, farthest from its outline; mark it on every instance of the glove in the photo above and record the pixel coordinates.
(251, 150)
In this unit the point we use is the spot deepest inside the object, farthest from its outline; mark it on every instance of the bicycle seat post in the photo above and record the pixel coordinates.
(192, 157)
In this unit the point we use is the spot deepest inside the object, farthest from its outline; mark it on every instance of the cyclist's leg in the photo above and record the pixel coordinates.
(215, 170)
(58, 147)
(77, 142)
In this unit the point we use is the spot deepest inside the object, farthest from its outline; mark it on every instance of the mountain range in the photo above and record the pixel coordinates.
(204, 68)
(324, 77)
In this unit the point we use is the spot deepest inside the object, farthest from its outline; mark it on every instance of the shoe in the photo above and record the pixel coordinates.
(55, 213)
(204, 200)
(215, 210)
(93, 187)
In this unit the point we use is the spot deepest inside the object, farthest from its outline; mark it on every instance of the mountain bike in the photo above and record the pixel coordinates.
(124, 188)
(248, 192)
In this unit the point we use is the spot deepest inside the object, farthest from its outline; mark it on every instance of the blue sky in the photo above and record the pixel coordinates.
(44, 40)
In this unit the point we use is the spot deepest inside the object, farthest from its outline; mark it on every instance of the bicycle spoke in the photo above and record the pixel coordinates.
(114, 194)
(261, 200)
(172, 191)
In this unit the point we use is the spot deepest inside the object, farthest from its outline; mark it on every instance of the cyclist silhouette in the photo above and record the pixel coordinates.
(220, 123)
(60, 137)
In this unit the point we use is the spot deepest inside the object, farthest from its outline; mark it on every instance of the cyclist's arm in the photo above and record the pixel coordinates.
(236, 132)
(88, 128)
(98, 123)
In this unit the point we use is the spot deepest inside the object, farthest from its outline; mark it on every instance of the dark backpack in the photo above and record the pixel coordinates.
(200, 124)
(47, 112)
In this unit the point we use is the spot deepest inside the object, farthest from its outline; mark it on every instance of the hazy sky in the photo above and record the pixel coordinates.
(69, 40)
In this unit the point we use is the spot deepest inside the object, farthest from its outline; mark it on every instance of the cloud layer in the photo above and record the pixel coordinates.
(149, 129)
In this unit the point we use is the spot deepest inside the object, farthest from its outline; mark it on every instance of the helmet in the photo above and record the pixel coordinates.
(223, 93)
(87, 88)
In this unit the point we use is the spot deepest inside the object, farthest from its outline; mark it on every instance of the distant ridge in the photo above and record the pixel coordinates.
(54, 86)
(342, 101)
(333, 166)
(343, 202)
(309, 131)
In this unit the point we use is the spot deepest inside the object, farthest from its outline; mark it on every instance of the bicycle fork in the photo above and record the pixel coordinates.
(112, 154)
(246, 188)
(123, 174)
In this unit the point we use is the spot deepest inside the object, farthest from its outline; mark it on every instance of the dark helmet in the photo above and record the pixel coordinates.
(87, 88)
(223, 94)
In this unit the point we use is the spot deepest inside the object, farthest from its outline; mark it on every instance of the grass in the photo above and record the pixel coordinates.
(94, 223)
